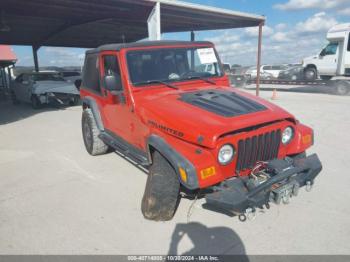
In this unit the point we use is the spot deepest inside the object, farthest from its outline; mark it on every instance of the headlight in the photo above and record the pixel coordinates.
(287, 135)
(226, 154)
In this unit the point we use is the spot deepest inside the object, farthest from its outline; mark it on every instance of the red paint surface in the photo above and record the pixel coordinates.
(162, 105)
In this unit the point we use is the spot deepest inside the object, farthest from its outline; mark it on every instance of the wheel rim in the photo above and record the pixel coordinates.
(310, 74)
(87, 134)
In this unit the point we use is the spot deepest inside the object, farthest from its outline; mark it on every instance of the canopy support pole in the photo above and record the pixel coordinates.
(154, 23)
(193, 38)
(35, 56)
(9, 78)
(259, 59)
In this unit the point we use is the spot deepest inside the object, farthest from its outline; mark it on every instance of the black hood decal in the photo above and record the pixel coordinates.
(223, 103)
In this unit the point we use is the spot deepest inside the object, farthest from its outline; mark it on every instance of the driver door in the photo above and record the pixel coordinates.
(329, 60)
(116, 106)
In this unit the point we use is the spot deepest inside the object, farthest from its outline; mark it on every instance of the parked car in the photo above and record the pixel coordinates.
(274, 70)
(194, 132)
(71, 76)
(292, 73)
(227, 68)
(264, 75)
(238, 77)
(43, 88)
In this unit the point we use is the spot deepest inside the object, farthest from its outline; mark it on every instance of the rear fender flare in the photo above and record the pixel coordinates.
(89, 102)
(175, 159)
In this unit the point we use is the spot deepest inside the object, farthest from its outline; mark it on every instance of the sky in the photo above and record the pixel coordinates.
(294, 29)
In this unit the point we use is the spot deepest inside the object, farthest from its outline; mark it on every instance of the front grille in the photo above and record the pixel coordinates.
(62, 96)
(257, 148)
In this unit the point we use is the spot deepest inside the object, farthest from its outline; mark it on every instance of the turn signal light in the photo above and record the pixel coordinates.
(183, 174)
(208, 172)
(307, 139)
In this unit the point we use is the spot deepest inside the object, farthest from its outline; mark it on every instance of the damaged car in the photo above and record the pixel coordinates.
(43, 88)
(196, 135)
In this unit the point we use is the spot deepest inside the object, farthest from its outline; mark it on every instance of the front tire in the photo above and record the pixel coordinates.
(36, 104)
(310, 74)
(162, 192)
(74, 101)
(93, 144)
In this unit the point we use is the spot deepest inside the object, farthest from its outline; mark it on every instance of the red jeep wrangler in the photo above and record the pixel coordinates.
(168, 106)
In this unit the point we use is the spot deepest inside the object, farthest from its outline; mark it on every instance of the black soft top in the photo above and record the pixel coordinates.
(117, 47)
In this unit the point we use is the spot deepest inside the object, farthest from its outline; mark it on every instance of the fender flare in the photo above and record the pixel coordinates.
(311, 66)
(175, 159)
(91, 103)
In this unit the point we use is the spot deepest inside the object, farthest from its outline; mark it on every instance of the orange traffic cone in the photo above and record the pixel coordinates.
(274, 94)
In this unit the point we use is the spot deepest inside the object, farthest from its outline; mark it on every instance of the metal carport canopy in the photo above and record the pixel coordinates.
(82, 23)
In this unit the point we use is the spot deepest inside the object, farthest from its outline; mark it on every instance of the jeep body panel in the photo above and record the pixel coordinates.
(187, 131)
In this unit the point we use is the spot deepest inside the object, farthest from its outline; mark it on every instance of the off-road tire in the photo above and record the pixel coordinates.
(35, 102)
(162, 192)
(310, 74)
(93, 144)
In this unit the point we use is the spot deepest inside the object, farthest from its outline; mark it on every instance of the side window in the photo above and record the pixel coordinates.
(331, 49)
(91, 79)
(111, 66)
(111, 73)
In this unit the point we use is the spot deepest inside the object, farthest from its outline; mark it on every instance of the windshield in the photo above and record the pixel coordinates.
(171, 65)
(46, 77)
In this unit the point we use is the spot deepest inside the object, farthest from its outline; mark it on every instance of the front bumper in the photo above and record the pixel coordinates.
(282, 180)
(58, 98)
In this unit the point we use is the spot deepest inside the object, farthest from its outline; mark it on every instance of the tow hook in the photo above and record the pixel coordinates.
(308, 186)
(249, 214)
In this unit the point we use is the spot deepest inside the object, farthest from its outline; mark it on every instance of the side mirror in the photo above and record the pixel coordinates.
(323, 53)
(113, 83)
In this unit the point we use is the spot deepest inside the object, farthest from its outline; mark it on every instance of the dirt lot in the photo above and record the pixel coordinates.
(57, 199)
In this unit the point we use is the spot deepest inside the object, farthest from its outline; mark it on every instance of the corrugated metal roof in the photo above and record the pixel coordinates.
(80, 23)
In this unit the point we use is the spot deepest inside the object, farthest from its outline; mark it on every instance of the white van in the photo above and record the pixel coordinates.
(334, 59)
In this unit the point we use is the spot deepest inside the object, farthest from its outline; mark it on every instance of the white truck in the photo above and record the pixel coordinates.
(333, 62)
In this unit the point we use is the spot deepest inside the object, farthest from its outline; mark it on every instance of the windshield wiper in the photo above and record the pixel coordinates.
(156, 82)
(201, 78)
